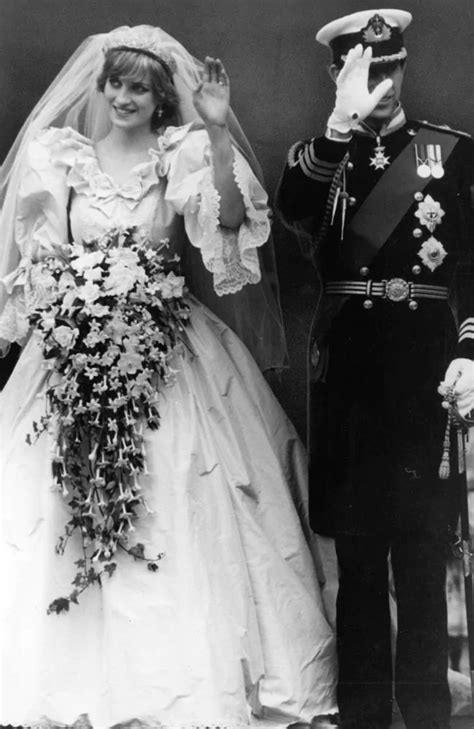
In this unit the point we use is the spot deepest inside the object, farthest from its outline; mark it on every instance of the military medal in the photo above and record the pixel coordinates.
(380, 160)
(428, 160)
(434, 158)
(422, 166)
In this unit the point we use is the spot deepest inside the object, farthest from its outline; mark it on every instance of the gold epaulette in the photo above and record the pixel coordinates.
(444, 128)
(295, 149)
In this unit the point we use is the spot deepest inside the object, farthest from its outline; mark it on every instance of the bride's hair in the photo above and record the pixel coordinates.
(121, 63)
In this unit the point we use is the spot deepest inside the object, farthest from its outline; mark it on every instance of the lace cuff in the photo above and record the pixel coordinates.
(28, 287)
(231, 255)
(13, 320)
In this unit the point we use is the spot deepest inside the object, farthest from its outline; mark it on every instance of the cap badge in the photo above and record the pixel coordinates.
(376, 30)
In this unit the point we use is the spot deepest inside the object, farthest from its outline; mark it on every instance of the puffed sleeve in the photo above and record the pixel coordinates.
(40, 226)
(230, 255)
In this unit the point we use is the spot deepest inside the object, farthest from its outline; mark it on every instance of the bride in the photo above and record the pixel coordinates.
(230, 631)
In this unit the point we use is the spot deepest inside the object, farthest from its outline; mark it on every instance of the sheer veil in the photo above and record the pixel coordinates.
(72, 100)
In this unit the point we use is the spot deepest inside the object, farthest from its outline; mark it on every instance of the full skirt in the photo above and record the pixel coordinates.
(231, 631)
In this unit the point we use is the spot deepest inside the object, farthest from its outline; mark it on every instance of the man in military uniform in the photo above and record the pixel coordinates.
(385, 205)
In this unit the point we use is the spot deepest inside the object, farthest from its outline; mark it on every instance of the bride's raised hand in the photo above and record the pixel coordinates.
(211, 98)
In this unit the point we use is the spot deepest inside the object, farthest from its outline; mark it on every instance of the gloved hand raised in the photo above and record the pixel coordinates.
(354, 101)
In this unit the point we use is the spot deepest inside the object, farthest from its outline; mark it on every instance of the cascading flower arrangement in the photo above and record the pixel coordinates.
(115, 314)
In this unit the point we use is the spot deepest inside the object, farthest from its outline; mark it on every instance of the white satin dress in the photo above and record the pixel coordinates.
(231, 631)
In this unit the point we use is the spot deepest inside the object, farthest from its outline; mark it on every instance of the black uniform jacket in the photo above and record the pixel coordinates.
(378, 355)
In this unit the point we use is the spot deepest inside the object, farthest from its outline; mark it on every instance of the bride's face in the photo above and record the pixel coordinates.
(131, 101)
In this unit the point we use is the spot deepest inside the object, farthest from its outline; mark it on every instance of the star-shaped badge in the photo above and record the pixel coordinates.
(380, 160)
(429, 213)
(432, 253)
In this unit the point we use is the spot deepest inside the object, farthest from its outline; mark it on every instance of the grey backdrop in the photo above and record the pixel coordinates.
(280, 88)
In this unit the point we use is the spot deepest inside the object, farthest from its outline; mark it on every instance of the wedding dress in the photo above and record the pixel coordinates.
(231, 630)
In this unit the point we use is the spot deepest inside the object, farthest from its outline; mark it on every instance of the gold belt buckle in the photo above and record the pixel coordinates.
(397, 289)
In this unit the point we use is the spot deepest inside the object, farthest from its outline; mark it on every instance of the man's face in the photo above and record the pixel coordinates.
(379, 72)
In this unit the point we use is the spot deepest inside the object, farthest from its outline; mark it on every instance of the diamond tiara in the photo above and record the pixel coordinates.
(140, 40)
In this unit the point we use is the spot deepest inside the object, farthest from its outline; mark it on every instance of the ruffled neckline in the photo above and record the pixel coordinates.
(86, 173)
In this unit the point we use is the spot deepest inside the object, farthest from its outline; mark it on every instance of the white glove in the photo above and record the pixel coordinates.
(460, 377)
(354, 102)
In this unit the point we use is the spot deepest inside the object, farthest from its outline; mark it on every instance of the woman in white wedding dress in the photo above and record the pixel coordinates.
(231, 630)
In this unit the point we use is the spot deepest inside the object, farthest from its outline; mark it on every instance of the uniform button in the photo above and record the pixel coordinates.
(368, 304)
(350, 166)
(352, 201)
(413, 305)
(418, 196)
(416, 270)
(364, 271)
(417, 233)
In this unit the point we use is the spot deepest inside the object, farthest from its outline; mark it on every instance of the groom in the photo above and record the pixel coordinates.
(383, 207)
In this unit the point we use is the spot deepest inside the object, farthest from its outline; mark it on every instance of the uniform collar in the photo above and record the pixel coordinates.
(396, 122)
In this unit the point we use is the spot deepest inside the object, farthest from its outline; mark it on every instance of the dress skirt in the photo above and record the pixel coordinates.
(231, 630)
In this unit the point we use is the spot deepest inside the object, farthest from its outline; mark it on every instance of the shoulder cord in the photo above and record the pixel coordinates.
(323, 230)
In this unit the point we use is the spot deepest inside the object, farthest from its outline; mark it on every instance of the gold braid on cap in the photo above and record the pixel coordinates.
(140, 40)
(385, 59)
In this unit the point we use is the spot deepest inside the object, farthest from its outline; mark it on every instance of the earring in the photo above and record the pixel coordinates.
(156, 116)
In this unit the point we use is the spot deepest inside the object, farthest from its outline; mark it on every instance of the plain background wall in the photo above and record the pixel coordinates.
(279, 84)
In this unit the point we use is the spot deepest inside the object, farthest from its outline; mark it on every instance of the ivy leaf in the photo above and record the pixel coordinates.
(152, 566)
(92, 576)
(110, 568)
(138, 551)
(60, 605)
(78, 581)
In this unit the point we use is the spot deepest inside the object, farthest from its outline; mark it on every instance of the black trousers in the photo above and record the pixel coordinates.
(364, 635)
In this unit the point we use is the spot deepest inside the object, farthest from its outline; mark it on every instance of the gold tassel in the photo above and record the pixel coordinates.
(444, 465)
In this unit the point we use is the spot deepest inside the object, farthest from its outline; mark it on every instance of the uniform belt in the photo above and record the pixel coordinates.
(394, 289)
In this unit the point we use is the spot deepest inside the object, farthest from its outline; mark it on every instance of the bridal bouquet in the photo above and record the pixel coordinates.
(115, 314)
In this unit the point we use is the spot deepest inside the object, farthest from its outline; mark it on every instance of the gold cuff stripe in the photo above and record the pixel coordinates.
(315, 173)
(313, 160)
(466, 330)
